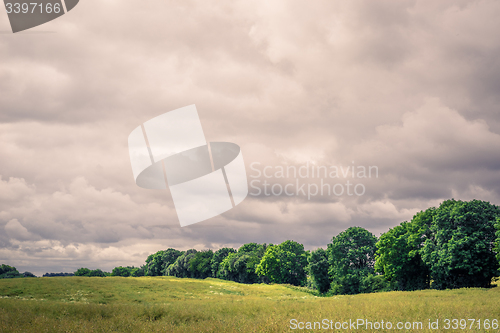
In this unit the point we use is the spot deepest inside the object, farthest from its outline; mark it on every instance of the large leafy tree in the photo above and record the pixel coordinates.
(241, 266)
(284, 263)
(181, 267)
(398, 255)
(460, 252)
(351, 256)
(200, 266)
(219, 255)
(157, 263)
(318, 270)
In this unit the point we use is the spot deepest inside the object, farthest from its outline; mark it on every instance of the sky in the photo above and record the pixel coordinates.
(408, 87)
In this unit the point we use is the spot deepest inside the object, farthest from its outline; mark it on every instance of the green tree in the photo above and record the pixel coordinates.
(219, 255)
(226, 267)
(97, 273)
(318, 270)
(181, 268)
(8, 272)
(460, 250)
(497, 245)
(82, 272)
(269, 265)
(241, 266)
(398, 255)
(200, 266)
(122, 271)
(284, 263)
(351, 257)
(157, 263)
(137, 271)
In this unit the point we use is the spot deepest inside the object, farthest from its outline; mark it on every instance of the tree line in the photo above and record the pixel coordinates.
(452, 246)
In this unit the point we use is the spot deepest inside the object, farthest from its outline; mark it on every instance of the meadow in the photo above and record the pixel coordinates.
(169, 304)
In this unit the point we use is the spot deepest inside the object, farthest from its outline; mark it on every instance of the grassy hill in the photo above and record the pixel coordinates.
(167, 304)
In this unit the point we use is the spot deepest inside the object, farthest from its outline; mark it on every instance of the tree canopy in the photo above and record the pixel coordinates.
(157, 263)
(351, 257)
(460, 252)
(318, 270)
(181, 267)
(284, 263)
(219, 255)
(398, 255)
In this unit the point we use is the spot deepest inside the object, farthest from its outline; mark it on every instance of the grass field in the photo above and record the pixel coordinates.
(167, 304)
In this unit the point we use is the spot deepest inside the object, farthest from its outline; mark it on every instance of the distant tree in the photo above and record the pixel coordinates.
(284, 263)
(398, 255)
(227, 270)
(497, 244)
(460, 252)
(238, 267)
(97, 273)
(241, 266)
(87, 272)
(9, 272)
(181, 268)
(318, 270)
(82, 272)
(157, 263)
(57, 274)
(351, 257)
(199, 265)
(137, 271)
(28, 274)
(122, 271)
(219, 255)
(270, 265)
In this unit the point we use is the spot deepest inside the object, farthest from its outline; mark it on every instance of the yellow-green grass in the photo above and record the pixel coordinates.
(166, 304)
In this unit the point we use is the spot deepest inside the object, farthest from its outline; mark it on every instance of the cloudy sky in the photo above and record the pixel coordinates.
(411, 87)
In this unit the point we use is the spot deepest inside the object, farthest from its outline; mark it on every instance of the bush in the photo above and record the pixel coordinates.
(373, 283)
